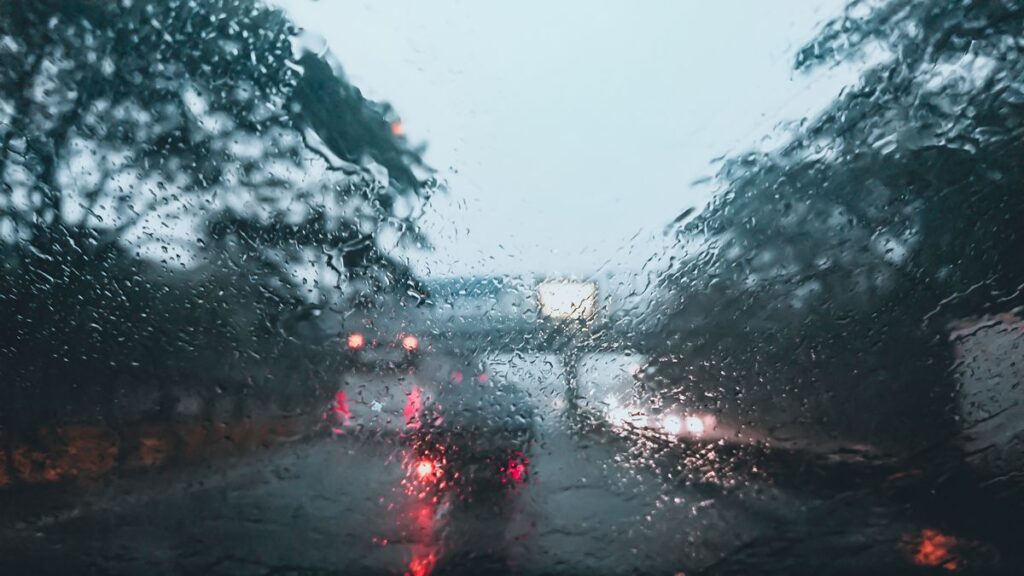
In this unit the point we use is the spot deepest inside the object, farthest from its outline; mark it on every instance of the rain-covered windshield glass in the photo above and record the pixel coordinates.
(401, 287)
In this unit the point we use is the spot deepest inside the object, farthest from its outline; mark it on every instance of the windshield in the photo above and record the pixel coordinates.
(301, 287)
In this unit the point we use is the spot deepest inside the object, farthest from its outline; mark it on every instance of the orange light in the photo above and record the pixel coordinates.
(397, 129)
(356, 341)
(410, 343)
(937, 550)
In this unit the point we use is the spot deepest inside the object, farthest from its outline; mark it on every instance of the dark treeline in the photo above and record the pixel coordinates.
(820, 284)
(167, 171)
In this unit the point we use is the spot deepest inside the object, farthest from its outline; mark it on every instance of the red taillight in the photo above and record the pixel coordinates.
(483, 378)
(341, 404)
(456, 377)
(516, 469)
(413, 406)
(410, 343)
(422, 566)
(356, 341)
(426, 470)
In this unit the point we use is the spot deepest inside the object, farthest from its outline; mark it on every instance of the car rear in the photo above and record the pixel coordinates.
(381, 391)
(476, 431)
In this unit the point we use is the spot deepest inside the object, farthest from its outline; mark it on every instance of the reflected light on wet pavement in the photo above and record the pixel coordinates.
(934, 549)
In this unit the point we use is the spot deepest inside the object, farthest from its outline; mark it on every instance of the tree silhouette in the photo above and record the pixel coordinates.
(821, 281)
(181, 182)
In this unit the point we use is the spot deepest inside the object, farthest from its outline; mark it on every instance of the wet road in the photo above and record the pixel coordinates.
(594, 504)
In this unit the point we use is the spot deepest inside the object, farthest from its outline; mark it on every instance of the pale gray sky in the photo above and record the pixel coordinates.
(569, 132)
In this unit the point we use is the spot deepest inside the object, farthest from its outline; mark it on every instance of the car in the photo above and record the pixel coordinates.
(674, 421)
(380, 390)
(474, 432)
(622, 392)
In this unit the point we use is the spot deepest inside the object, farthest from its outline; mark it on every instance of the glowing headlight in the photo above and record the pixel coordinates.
(694, 425)
(618, 416)
(672, 424)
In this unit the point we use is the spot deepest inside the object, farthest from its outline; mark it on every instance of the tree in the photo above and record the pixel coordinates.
(821, 281)
(174, 176)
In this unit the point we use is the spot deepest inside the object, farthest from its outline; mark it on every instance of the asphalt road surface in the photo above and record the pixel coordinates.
(594, 504)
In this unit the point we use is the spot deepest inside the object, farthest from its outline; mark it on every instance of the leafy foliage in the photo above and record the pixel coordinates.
(179, 179)
(825, 273)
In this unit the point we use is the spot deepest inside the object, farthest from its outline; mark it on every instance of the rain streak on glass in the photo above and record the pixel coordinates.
(300, 287)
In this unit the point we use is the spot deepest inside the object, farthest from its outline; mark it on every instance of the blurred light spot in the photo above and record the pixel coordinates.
(422, 565)
(517, 468)
(618, 415)
(935, 549)
(413, 406)
(356, 341)
(694, 425)
(425, 469)
(341, 406)
(672, 424)
(410, 343)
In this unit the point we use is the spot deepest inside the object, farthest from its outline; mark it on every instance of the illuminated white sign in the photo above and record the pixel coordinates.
(567, 300)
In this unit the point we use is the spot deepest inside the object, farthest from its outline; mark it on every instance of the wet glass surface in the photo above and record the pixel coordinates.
(422, 288)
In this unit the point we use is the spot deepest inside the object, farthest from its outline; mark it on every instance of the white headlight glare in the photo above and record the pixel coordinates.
(618, 416)
(694, 425)
(672, 424)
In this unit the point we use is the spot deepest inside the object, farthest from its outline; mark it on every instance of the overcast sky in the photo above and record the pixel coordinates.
(569, 132)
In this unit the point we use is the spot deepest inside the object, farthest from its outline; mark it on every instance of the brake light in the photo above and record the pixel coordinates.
(483, 378)
(456, 377)
(356, 341)
(422, 566)
(426, 469)
(516, 469)
(413, 406)
(341, 405)
(410, 343)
